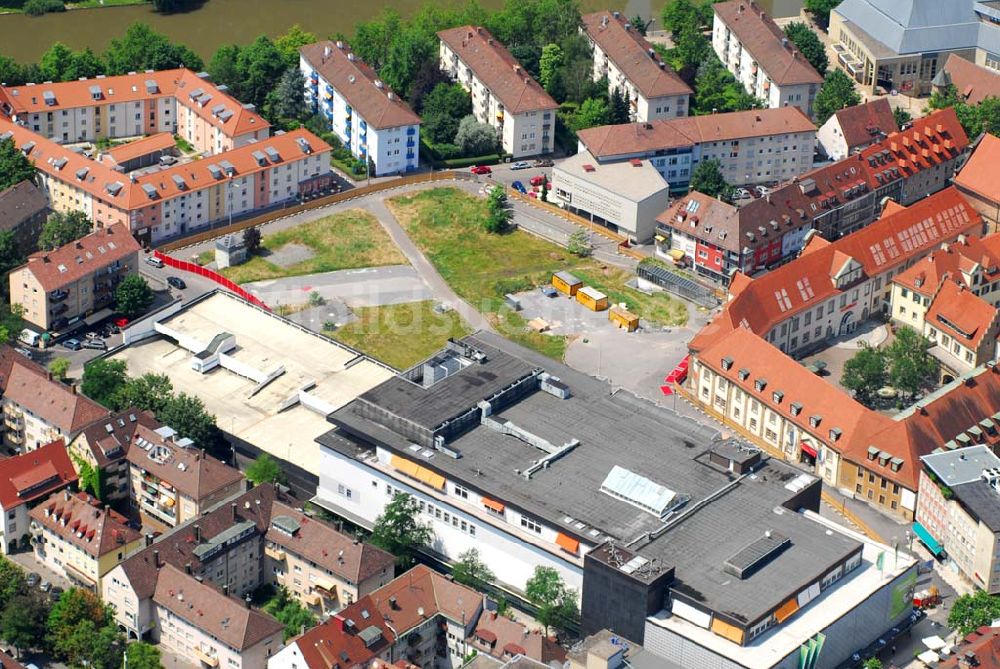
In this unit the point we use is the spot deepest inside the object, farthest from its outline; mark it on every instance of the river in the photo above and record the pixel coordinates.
(223, 21)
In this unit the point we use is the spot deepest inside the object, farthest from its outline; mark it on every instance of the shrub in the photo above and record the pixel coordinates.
(39, 7)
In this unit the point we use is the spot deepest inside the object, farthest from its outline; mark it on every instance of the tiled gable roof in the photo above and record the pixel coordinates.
(30, 386)
(961, 314)
(79, 520)
(68, 264)
(190, 470)
(866, 123)
(35, 474)
(978, 175)
(108, 439)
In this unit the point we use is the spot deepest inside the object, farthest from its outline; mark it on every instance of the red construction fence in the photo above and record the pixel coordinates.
(195, 268)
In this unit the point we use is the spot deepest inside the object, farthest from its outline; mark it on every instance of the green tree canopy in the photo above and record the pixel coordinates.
(14, 166)
(678, 14)
(265, 469)
(470, 570)
(901, 116)
(187, 414)
(806, 41)
(549, 64)
(865, 373)
(716, 90)
(103, 381)
(836, 93)
(970, 612)
(75, 606)
(475, 138)
(62, 228)
(11, 581)
(23, 620)
(289, 42)
(11, 322)
(133, 296)
(260, 65)
(149, 392)
(398, 531)
(593, 112)
(59, 368)
(556, 603)
(911, 366)
(499, 216)
(142, 655)
(618, 111)
(707, 178)
(821, 10)
(289, 612)
(287, 100)
(142, 48)
(55, 61)
(444, 107)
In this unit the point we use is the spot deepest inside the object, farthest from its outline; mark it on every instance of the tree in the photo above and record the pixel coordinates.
(56, 61)
(59, 367)
(910, 364)
(901, 116)
(865, 373)
(10, 254)
(11, 582)
(806, 41)
(252, 239)
(224, 68)
(289, 612)
(988, 115)
(149, 392)
(187, 414)
(90, 478)
(142, 48)
(75, 606)
(556, 603)
(22, 621)
(288, 98)
(398, 531)
(717, 91)
(39, 7)
(676, 14)
(639, 24)
(14, 166)
(593, 111)
(475, 138)
(11, 322)
(444, 107)
(171, 6)
(142, 655)
(499, 216)
(872, 663)
(691, 49)
(103, 381)
(579, 244)
(549, 64)
(707, 178)
(289, 43)
(133, 296)
(426, 80)
(260, 67)
(970, 612)
(265, 469)
(836, 93)
(470, 570)
(821, 9)
(618, 111)
(84, 64)
(61, 228)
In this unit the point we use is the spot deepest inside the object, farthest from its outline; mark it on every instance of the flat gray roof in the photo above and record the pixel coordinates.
(961, 465)
(635, 182)
(981, 500)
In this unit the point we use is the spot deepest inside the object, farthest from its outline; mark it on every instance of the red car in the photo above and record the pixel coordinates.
(121, 322)
(538, 180)
(482, 169)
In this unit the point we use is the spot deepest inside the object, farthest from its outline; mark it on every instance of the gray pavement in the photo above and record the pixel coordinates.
(365, 287)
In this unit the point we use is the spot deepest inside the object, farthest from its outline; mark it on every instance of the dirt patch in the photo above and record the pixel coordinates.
(290, 254)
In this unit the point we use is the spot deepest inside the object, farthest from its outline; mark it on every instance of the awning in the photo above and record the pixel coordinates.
(430, 478)
(97, 316)
(568, 544)
(727, 631)
(404, 465)
(786, 610)
(808, 450)
(326, 585)
(933, 545)
(493, 505)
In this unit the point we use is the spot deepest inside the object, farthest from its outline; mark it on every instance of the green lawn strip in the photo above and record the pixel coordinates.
(658, 308)
(345, 240)
(401, 334)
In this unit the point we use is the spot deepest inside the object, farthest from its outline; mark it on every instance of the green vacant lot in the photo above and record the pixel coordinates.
(346, 240)
(481, 267)
(401, 334)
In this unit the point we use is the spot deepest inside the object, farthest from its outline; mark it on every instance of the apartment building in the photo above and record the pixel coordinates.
(178, 101)
(977, 183)
(504, 95)
(205, 627)
(623, 197)
(23, 210)
(421, 618)
(973, 83)
(958, 511)
(29, 479)
(102, 445)
(59, 288)
(185, 197)
(318, 565)
(852, 129)
(172, 481)
(632, 67)
(505, 638)
(37, 409)
(371, 120)
(752, 147)
(76, 536)
(756, 51)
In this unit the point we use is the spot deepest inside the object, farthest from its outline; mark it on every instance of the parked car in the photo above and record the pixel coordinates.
(93, 335)
(533, 194)
(176, 282)
(121, 322)
(25, 352)
(519, 187)
(520, 165)
(482, 169)
(45, 586)
(59, 323)
(72, 344)
(95, 344)
(55, 593)
(741, 194)
(538, 180)
(543, 162)
(761, 191)
(32, 579)
(155, 262)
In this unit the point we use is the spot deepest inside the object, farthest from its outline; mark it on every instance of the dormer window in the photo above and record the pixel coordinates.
(815, 420)
(744, 374)
(760, 384)
(727, 363)
(796, 408)
(834, 434)
(777, 396)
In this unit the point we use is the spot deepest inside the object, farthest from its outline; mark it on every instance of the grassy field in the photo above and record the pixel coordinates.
(401, 334)
(481, 267)
(345, 240)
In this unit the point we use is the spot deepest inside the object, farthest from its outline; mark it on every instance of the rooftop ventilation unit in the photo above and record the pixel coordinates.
(755, 555)
(179, 182)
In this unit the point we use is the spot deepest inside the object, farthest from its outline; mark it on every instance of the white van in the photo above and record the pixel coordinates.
(154, 261)
(29, 337)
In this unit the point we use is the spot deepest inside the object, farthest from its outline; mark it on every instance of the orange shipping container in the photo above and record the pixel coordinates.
(566, 283)
(592, 298)
(623, 318)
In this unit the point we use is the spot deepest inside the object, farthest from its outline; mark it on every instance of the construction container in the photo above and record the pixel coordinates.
(623, 318)
(592, 298)
(566, 283)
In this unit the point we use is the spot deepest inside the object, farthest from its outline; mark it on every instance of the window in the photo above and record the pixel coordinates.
(461, 492)
(344, 491)
(531, 524)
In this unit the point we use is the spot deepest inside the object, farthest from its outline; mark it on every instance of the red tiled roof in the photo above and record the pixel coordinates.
(328, 645)
(80, 520)
(91, 253)
(356, 81)
(108, 439)
(499, 71)
(190, 470)
(959, 256)
(979, 173)
(662, 134)
(633, 55)
(177, 83)
(48, 468)
(984, 643)
(760, 36)
(973, 82)
(503, 633)
(866, 123)
(20, 202)
(122, 153)
(706, 218)
(28, 385)
(960, 313)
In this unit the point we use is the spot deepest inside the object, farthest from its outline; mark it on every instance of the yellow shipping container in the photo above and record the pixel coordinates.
(592, 298)
(566, 283)
(623, 318)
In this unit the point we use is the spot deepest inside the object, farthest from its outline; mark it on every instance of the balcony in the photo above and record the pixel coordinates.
(58, 295)
(274, 552)
(210, 660)
(410, 144)
(59, 309)
(14, 436)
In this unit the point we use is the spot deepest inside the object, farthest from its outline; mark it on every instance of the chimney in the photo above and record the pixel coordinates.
(187, 568)
(156, 559)
(149, 539)
(197, 533)
(233, 505)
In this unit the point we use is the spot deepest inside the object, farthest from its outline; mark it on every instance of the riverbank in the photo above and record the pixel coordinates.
(82, 4)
